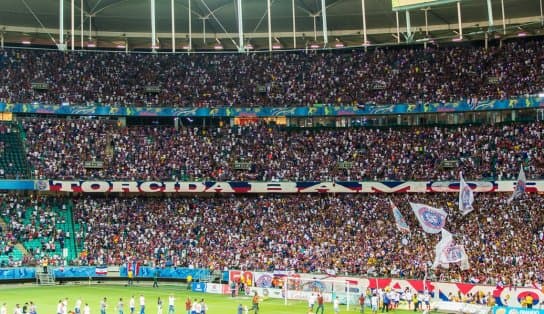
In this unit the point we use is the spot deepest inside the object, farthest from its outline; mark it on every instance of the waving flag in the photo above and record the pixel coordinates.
(446, 252)
(520, 186)
(466, 196)
(431, 219)
(446, 241)
(399, 219)
(101, 270)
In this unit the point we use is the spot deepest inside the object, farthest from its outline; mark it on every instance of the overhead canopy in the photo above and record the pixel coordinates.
(113, 22)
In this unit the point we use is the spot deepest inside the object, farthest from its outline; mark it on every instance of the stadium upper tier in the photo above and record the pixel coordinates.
(381, 76)
(59, 148)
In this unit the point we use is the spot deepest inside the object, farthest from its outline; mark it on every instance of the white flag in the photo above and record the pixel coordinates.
(447, 240)
(431, 219)
(520, 186)
(466, 196)
(402, 226)
(465, 264)
(446, 253)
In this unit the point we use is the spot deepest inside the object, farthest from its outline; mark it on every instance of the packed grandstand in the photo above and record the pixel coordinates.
(311, 233)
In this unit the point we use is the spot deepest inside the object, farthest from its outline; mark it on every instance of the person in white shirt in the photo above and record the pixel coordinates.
(427, 300)
(408, 297)
(171, 301)
(4, 309)
(198, 307)
(374, 300)
(103, 306)
(142, 304)
(86, 309)
(32, 308)
(18, 309)
(120, 306)
(60, 310)
(132, 304)
(336, 305)
(159, 306)
(77, 308)
(311, 301)
(65, 305)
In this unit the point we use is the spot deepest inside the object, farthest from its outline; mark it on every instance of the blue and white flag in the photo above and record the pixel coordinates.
(445, 242)
(520, 186)
(399, 219)
(431, 219)
(466, 196)
(447, 252)
(101, 270)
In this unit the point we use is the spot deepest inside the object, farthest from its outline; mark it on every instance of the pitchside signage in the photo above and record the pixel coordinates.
(516, 310)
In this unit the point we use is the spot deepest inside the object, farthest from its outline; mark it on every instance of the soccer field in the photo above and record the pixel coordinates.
(47, 297)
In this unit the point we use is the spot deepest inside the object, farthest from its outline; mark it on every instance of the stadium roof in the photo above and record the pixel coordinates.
(114, 22)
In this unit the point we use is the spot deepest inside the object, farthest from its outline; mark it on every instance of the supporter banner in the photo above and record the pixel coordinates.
(315, 110)
(80, 271)
(17, 273)
(170, 272)
(81, 186)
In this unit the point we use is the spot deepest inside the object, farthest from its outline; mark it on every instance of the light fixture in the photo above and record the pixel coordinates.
(218, 45)
(91, 44)
(249, 46)
(26, 42)
(457, 39)
(276, 46)
(522, 34)
(339, 44)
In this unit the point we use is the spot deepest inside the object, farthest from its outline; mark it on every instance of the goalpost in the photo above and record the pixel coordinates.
(302, 289)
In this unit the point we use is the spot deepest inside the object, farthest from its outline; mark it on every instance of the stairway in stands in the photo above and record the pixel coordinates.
(13, 162)
(45, 279)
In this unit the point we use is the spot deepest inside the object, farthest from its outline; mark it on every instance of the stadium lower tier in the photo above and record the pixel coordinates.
(353, 234)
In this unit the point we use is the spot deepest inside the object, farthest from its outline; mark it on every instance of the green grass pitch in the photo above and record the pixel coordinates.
(47, 297)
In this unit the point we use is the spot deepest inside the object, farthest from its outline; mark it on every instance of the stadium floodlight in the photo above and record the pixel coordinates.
(313, 45)
(339, 44)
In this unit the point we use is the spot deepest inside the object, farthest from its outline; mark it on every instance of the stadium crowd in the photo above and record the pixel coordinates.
(381, 76)
(32, 219)
(58, 149)
(350, 233)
